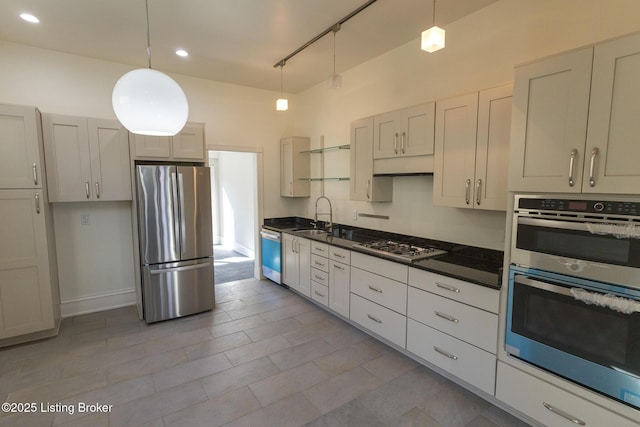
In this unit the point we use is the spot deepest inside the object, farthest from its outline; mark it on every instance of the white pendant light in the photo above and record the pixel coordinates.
(282, 103)
(433, 38)
(335, 80)
(149, 102)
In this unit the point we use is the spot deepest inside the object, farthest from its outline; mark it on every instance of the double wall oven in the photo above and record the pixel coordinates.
(574, 291)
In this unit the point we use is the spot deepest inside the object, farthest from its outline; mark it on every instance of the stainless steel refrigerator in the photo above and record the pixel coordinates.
(176, 243)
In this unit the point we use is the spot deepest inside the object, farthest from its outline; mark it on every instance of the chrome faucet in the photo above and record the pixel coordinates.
(328, 226)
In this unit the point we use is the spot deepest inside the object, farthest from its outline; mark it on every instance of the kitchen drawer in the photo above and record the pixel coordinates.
(390, 269)
(478, 296)
(318, 248)
(470, 324)
(386, 292)
(320, 276)
(321, 263)
(551, 405)
(340, 255)
(320, 293)
(380, 320)
(469, 363)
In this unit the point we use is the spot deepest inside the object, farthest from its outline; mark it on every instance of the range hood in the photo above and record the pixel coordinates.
(398, 166)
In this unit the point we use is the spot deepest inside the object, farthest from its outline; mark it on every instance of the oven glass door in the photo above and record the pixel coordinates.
(556, 323)
(602, 243)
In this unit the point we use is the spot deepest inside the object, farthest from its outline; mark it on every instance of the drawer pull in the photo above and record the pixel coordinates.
(375, 319)
(319, 294)
(448, 287)
(339, 267)
(564, 414)
(339, 256)
(373, 288)
(446, 317)
(318, 263)
(319, 249)
(445, 353)
(315, 276)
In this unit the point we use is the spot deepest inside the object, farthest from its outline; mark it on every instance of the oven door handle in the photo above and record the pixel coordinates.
(545, 286)
(551, 223)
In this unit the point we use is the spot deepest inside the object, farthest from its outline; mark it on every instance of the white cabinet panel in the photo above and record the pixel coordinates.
(186, 145)
(472, 325)
(26, 299)
(381, 290)
(19, 147)
(295, 167)
(551, 405)
(339, 287)
(320, 293)
(469, 363)
(297, 263)
(319, 262)
(390, 269)
(478, 296)
(362, 184)
(380, 320)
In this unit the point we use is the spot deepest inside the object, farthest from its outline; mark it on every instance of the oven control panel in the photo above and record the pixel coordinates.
(587, 206)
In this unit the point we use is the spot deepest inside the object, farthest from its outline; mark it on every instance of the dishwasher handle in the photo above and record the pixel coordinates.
(270, 235)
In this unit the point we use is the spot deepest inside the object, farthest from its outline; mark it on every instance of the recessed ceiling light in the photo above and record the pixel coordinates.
(29, 18)
(182, 52)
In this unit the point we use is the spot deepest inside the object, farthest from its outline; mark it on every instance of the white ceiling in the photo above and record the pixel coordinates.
(235, 41)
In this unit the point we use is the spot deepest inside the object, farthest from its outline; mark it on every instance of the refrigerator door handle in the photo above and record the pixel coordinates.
(178, 206)
(178, 269)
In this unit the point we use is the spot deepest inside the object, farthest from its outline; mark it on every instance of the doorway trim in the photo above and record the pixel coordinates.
(259, 214)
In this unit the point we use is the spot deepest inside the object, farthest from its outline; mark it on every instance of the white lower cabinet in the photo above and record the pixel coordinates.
(379, 320)
(27, 279)
(550, 405)
(380, 290)
(297, 264)
(467, 362)
(339, 287)
(320, 293)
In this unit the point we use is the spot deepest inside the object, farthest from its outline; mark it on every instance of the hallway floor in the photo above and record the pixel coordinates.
(263, 357)
(230, 265)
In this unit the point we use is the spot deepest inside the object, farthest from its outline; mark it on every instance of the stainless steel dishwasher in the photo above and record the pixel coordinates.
(271, 243)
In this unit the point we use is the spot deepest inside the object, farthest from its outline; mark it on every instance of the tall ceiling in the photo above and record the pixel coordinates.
(234, 41)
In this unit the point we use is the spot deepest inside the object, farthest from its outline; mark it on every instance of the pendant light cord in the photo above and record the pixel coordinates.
(434, 13)
(146, 4)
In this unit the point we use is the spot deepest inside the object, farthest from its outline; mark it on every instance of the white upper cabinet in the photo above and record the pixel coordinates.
(575, 121)
(19, 148)
(295, 167)
(87, 159)
(363, 185)
(187, 145)
(472, 149)
(406, 132)
(612, 154)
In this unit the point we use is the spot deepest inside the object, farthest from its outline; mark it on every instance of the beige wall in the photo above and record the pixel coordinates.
(480, 53)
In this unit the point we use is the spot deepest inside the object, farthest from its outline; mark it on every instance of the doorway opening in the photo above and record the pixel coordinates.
(234, 199)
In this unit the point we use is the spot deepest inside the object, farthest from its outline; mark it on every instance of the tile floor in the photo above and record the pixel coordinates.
(263, 357)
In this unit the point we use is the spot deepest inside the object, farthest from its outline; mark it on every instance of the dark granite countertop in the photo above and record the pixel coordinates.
(469, 263)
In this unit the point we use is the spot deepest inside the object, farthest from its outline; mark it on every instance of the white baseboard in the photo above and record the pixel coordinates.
(244, 250)
(93, 303)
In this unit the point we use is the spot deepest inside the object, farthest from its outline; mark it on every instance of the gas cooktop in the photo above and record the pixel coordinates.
(403, 252)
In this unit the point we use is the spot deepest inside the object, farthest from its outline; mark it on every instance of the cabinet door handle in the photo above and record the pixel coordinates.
(572, 160)
(35, 174)
(448, 287)
(37, 203)
(373, 288)
(368, 188)
(291, 188)
(563, 414)
(592, 168)
(478, 187)
(375, 319)
(339, 267)
(402, 144)
(445, 353)
(395, 143)
(319, 294)
(97, 190)
(86, 188)
(446, 317)
(467, 191)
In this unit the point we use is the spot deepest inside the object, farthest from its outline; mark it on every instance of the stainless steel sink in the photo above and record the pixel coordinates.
(311, 232)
